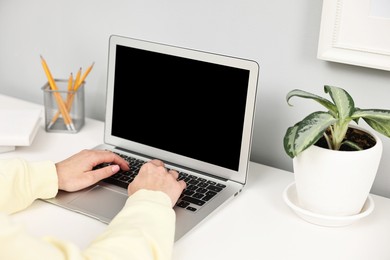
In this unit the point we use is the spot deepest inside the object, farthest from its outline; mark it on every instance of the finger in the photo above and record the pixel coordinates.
(92, 177)
(113, 158)
(157, 162)
(104, 172)
(183, 184)
(174, 173)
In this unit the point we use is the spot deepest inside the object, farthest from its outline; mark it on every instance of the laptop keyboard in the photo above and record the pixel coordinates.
(198, 192)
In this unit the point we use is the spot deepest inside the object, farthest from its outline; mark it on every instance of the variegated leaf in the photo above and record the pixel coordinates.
(303, 94)
(289, 139)
(343, 101)
(378, 119)
(310, 130)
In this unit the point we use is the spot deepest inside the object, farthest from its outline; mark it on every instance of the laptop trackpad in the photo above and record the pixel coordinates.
(100, 202)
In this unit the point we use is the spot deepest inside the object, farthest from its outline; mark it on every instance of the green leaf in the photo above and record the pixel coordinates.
(307, 132)
(303, 94)
(337, 119)
(289, 139)
(381, 114)
(378, 119)
(343, 101)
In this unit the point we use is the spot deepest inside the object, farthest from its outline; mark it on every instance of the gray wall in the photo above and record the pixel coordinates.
(282, 36)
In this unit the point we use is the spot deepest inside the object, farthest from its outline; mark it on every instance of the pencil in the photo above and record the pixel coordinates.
(78, 83)
(69, 95)
(68, 101)
(60, 102)
(70, 82)
(72, 91)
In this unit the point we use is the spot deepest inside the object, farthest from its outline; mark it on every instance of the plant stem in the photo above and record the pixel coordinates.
(339, 132)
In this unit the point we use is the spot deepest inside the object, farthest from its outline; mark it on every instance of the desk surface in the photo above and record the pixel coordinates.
(257, 224)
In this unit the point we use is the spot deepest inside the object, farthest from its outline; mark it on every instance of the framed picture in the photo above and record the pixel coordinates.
(356, 32)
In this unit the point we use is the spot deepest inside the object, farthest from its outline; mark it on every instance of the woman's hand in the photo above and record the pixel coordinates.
(76, 172)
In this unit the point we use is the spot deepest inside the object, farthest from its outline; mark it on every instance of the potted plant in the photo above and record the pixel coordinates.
(335, 162)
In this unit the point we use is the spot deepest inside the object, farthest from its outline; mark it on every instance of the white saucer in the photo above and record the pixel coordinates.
(290, 197)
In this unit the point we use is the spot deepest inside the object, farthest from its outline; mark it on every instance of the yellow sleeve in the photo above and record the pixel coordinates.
(144, 229)
(22, 182)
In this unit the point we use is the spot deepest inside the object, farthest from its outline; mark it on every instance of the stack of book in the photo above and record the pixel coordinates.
(18, 127)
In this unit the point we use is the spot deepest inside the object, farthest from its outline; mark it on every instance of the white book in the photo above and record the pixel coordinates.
(18, 127)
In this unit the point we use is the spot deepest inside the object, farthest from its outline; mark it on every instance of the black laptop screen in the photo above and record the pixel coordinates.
(185, 106)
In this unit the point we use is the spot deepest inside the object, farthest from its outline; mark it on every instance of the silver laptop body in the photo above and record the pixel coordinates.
(193, 110)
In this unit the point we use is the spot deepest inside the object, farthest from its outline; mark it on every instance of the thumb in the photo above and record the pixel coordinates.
(105, 172)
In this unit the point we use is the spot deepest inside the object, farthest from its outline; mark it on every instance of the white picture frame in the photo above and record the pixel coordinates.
(356, 32)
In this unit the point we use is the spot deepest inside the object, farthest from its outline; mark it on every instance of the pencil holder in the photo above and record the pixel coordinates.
(64, 109)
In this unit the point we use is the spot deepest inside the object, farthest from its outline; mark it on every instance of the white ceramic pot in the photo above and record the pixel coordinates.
(336, 183)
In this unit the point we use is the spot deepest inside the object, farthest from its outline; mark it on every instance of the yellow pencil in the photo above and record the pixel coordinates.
(68, 101)
(60, 102)
(77, 79)
(70, 82)
(83, 77)
(77, 83)
(70, 88)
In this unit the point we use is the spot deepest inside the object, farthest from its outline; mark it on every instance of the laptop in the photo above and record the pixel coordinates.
(192, 109)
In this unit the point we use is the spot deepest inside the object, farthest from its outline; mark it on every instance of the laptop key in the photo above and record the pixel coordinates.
(214, 188)
(183, 204)
(193, 200)
(191, 208)
(199, 190)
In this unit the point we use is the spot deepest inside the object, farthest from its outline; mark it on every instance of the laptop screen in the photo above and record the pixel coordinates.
(192, 107)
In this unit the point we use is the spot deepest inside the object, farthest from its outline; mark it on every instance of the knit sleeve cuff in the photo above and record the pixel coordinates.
(43, 179)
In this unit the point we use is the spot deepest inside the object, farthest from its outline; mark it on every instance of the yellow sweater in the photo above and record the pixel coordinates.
(144, 229)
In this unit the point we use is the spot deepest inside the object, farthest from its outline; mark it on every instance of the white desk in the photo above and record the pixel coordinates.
(257, 224)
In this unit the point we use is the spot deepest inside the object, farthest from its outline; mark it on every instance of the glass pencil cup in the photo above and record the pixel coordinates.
(64, 109)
